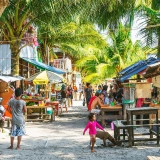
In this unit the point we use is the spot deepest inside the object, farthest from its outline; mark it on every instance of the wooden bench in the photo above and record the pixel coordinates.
(153, 158)
(118, 125)
(40, 114)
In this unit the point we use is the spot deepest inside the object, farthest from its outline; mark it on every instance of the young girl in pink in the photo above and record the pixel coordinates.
(92, 124)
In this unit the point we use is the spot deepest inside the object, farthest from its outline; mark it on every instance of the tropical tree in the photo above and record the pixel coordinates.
(21, 14)
(151, 30)
(71, 38)
(120, 53)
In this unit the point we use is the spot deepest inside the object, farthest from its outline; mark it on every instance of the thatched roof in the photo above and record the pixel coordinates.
(153, 70)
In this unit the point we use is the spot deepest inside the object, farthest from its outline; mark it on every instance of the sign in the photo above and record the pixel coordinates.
(143, 90)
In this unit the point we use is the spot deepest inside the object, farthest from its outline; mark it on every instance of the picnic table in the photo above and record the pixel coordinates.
(40, 114)
(143, 111)
(104, 116)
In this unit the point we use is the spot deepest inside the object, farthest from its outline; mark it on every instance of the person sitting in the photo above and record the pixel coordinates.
(97, 103)
(91, 100)
(99, 89)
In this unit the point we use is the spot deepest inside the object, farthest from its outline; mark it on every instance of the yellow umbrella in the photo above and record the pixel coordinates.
(46, 77)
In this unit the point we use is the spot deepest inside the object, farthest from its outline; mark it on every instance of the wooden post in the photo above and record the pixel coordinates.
(103, 121)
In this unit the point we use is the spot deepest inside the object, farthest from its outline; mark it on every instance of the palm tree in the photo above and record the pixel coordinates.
(20, 16)
(120, 54)
(71, 38)
(151, 32)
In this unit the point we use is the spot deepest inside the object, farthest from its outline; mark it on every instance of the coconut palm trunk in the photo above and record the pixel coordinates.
(15, 54)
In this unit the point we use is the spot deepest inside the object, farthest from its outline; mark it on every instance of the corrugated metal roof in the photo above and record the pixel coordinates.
(136, 68)
(44, 66)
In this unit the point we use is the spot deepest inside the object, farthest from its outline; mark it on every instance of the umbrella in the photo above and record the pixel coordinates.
(45, 77)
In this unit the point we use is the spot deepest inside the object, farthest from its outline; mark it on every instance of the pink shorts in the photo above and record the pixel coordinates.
(92, 135)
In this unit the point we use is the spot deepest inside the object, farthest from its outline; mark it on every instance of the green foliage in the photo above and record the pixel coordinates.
(120, 53)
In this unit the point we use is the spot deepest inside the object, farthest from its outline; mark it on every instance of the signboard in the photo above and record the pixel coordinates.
(143, 90)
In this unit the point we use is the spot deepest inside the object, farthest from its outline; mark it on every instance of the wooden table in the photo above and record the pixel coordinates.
(142, 111)
(41, 114)
(104, 110)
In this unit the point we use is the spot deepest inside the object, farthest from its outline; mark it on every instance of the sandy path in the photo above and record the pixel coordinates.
(65, 141)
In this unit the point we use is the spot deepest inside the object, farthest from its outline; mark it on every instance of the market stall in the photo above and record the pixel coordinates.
(6, 91)
(37, 102)
(153, 72)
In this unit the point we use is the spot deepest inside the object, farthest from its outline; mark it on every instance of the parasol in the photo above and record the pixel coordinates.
(46, 77)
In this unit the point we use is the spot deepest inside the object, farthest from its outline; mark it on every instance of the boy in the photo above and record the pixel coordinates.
(17, 107)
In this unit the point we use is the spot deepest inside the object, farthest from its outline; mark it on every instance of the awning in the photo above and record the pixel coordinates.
(136, 68)
(43, 66)
(10, 78)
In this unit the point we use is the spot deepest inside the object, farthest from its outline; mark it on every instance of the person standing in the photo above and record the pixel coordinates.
(70, 95)
(110, 94)
(80, 91)
(75, 92)
(17, 107)
(64, 98)
(104, 91)
(88, 93)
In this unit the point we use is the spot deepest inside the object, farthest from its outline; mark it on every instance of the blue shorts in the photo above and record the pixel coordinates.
(17, 130)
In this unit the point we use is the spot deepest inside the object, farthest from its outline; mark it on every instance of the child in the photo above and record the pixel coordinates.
(17, 107)
(92, 124)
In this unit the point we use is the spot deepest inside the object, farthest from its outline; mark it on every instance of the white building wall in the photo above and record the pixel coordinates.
(5, 59)
(5, 56)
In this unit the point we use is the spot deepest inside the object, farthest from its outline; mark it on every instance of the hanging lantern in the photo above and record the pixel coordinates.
(3, 5)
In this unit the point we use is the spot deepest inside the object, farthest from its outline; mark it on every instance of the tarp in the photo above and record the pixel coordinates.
(136, 68)
(43, 66)
(10, 78)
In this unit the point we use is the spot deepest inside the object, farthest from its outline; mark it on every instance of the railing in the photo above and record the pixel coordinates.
(64, 64)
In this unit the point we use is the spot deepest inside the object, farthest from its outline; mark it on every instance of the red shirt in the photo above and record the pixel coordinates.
(139, 102)
(90, 102)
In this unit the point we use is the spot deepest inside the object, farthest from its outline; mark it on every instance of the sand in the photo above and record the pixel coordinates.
(63, 140)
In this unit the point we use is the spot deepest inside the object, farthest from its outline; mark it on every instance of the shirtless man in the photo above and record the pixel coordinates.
(98, 102)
